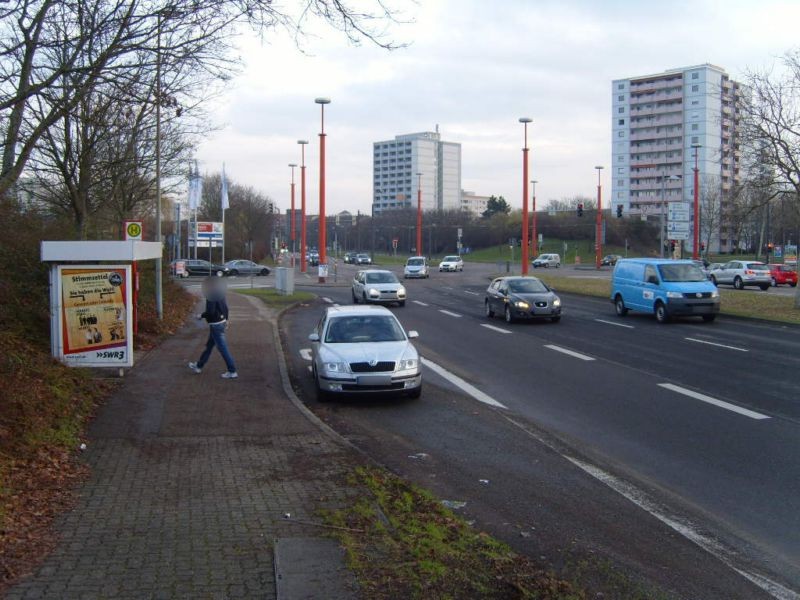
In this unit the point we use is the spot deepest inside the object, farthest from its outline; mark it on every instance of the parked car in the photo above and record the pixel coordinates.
(363, 259)
(610, 259)
(246, 267)
(372, 285)
(416, 266)
(451, 263)
(663, 287)
(363, 350)
(741, 273)
(546, 261)
(202, 267)
(517, 298)
(350, 257)
(783, 275)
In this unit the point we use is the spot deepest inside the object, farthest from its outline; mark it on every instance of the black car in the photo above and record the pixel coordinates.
(610, 259)
(519, 298)
(312, 259)
(201, 267)
(350, 258)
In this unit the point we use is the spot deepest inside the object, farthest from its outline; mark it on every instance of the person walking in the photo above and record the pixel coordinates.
(216, 315)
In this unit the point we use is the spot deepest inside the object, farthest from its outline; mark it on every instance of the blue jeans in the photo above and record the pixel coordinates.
(216, 337)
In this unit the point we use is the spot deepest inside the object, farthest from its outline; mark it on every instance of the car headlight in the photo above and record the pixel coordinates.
(674, 295)
(556, 301)
(401, 291)
(408, 363)
(335, 367)
(715, 294)
(374, 292)
(522, 304)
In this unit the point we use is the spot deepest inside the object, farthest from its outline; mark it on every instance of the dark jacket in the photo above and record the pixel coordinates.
(216, 309)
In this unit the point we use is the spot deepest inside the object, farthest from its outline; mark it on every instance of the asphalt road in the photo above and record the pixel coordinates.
(695, 423)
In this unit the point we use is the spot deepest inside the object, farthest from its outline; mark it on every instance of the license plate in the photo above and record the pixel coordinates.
(375, 380)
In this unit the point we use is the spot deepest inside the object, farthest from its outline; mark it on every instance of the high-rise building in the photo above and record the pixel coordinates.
(656, 121)
(396, 164)
(473, 203)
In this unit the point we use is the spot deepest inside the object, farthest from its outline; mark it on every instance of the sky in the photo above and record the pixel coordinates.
(472, 68)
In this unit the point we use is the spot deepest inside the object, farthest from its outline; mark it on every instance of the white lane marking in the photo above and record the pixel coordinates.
(450, 314)
(493, 328)
(716, 344)
(461, 384)
(721, 403)
(681, 525)
(310, 369)
(420, 303)
(446, 287)
(328, 300)
(471, 292)
(336, 304)
(305, 353)
(615, 323)
(569, 352)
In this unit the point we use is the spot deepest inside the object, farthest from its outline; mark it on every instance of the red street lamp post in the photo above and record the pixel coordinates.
(323, 225)
(598, 254)
(302, 204)
(696, 224)
(534, 234)
(291, 216)
(525, 121)
(419, 214)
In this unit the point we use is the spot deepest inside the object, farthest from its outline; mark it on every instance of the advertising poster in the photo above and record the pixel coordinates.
(96, 320)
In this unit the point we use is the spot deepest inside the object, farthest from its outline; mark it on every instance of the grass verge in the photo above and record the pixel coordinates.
(402, 542)
(272, 298)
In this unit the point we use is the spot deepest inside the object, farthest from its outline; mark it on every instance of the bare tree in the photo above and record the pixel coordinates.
(710, 209)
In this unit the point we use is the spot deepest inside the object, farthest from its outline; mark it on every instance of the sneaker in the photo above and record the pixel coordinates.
(193, 366)
(230, 375)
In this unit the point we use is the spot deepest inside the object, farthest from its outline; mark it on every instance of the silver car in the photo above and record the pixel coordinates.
(741, 273)
(373, 285)
(246, 267)
(451, 263)
(363, 349)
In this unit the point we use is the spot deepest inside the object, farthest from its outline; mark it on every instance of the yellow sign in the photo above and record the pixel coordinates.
(133, 230)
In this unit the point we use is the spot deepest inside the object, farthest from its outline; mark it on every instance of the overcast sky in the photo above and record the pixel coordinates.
(474, 67)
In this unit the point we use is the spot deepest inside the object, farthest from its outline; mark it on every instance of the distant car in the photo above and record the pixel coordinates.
(203, 267)
(547, 260)
(312, 258)
(703, 265)
(451, 263)
(363, 350)
(372, 285)
(246, 267)
(610, 259)
(741, 273)
(350, 257)
(416, 266)
(518, 298)
(363, 259)
(783, 275)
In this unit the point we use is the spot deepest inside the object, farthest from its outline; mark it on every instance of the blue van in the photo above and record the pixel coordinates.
(663, 287)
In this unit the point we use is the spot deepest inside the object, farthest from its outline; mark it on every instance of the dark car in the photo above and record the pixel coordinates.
(610, 259)
(350, 258)
(312, 258)
(518, 298)
(201, 267)
(246, 267)
(783, 275)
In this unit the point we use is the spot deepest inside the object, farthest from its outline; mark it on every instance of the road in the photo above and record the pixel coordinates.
(701, 420)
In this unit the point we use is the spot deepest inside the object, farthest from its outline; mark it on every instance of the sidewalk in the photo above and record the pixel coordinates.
(192, 477)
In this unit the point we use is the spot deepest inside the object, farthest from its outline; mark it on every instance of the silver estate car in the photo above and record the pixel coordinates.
(373, 285)
(363, 349)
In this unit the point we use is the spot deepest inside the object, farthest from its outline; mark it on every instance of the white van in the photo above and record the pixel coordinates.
(547, 260)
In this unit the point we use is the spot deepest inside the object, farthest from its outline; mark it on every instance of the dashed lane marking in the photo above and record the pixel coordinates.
(615, 324)
(420, 303)
(493, 328)
(465, 387)
(450, 314)
(709, 400)
(305, 353)
(716, 344)
(569, 352)
(328, 300)
(471, 292)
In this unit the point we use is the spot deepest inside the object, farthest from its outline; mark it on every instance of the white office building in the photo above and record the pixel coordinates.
(473, 203)
(656, 121)
(396, 164)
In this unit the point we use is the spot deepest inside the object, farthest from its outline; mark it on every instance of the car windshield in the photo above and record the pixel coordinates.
(526, 286)
(757, 267)
(370, 328)
(415, 262)
(681, 272)
(450, 259)
(382, 277)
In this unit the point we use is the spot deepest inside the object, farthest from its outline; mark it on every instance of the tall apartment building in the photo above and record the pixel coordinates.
(656, 121)
(396, 164)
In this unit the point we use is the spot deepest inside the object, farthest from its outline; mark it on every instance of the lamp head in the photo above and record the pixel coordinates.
(599, 167)
(293, 165)
(322, 100)
(525, 120)
(302, 142)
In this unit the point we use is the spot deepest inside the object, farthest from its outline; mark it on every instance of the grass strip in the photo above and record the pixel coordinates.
(271, 297)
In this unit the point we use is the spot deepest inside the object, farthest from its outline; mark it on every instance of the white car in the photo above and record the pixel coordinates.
(372, 285)
(416, 266)
(451, 263)
(547, 260)
(740, 273)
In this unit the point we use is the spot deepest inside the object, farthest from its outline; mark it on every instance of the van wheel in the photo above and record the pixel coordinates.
(709, 318)
(738, 283)
(619, 305)
(662, 314)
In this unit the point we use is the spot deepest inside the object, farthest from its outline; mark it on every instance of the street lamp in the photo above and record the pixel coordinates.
(525, 121)
(534, 234)
(696, 224)
(302, 204)
(292, 166)
(599, 226)
(323, 253)
(419, 214)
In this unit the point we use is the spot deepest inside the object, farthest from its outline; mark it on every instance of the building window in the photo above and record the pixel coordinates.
(621, 122)
(695, 126)
(621, 98)
(695, 102)
(621, 157)
(695, 139)
(621, 170)
(620, 182)
(695, 88)
(620, 86)
(695, 75)
(621, 134)
(621, 110)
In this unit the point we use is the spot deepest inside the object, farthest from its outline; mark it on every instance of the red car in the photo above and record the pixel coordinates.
(783, 274)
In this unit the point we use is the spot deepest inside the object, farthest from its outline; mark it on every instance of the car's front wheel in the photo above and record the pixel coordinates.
(416, 392)
(738, 283)
(401, 303)
(219, 273)
(487, 310)
(509, 317)
(264, 272)
(662, 314)
(558, 265)
(764, 287)
(555, 319)
(322, 395)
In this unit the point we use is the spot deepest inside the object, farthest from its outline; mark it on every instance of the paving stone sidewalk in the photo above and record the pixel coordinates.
(192, 476)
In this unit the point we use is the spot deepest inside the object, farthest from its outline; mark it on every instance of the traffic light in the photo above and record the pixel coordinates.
(580, 209)
(770, 247)
(619, 211)
(672, 245)
(702, 246)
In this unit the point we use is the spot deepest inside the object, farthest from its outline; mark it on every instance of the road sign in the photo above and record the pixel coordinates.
(678, 226)
(133, 230)
(395, 241)
(679, 215)
(679, 235)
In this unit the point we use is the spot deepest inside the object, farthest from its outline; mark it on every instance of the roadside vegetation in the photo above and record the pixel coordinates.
(272, 298)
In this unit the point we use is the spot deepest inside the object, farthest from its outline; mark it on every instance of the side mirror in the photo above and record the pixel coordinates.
(413, 335)
(652, 279)
(314, 337)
